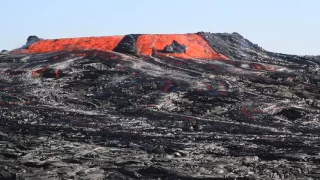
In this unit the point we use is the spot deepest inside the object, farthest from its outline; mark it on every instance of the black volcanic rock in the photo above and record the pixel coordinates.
(175, 47)
(236, 47)
(31, 39)
(128, 45)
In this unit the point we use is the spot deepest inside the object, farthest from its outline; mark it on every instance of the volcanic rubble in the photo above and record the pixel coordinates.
(95, 114)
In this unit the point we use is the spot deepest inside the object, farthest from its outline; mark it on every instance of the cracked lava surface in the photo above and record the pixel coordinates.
(179, 106)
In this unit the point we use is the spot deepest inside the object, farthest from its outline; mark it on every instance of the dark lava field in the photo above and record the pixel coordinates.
(121, 114)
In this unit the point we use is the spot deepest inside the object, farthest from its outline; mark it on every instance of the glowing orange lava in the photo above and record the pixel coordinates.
(107, 43)
(197, 47)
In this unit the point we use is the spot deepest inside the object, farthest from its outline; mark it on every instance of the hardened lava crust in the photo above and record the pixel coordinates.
(158, 106)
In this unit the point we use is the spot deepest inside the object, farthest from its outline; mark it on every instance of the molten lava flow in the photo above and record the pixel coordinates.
(107, 43)
(197, 47)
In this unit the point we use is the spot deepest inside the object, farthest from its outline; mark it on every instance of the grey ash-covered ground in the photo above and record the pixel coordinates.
(108, 115)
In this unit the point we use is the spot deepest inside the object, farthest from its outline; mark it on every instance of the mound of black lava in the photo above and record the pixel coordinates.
(93, 114)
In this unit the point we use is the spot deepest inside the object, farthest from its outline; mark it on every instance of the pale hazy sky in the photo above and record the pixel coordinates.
(287, 26)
